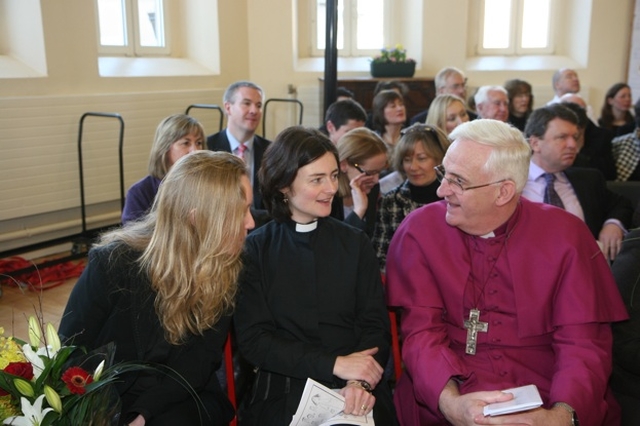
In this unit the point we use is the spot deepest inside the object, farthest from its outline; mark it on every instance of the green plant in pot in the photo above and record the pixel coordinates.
(393, 63)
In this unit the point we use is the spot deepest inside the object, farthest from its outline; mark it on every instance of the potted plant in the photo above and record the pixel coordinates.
(393, 63)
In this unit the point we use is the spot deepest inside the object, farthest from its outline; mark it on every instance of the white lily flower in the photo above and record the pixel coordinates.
(34, 357)
(98, 372)
(33, 414)
(35, 333)
(53, 339)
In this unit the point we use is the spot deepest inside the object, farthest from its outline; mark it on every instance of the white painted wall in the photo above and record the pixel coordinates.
(39, 115)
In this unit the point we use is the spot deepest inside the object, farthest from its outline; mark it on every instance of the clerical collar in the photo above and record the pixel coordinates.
(489, 235)
(306, 227)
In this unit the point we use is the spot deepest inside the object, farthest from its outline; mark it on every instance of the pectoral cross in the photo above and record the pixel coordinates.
(473, 326)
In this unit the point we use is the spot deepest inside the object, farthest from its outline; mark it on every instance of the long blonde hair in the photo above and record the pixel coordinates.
(191, 242)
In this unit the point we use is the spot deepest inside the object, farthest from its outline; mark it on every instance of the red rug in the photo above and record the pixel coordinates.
(41, 278)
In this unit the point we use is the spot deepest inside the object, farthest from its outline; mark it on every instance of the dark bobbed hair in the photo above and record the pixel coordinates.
(539, 119)
(293, 148)
(517, 87)
(380, 101)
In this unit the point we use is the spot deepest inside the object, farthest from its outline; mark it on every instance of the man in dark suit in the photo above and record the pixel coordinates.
(552, 132)
(243, 106)
(595, 141)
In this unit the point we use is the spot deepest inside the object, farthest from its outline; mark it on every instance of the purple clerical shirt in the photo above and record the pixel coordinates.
(541, 284)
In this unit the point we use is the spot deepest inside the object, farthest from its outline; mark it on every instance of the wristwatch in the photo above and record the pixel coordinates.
(574, 416)
(363, 384)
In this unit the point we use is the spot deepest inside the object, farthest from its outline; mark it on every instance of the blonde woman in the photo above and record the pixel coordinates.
(176, 136)
(447, 112)
(363, 156)
(163, 289)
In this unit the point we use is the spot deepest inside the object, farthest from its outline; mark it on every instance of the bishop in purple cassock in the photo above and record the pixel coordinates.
(498, 292)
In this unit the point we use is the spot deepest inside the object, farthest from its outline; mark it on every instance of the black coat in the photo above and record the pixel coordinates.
(113, 302)
(626, 334)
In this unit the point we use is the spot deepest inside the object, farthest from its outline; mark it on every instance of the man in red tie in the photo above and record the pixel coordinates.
(243, 107)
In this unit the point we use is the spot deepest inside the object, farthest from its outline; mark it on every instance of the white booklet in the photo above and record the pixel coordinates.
(321, 406)
(524, 398)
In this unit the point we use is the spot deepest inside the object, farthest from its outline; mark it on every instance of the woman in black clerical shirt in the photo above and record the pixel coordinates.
(310, 301)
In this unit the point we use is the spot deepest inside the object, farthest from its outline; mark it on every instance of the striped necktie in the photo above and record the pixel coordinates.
(241, 149)
(550, 194)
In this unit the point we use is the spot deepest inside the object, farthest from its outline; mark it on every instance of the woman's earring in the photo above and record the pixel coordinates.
(285, 199)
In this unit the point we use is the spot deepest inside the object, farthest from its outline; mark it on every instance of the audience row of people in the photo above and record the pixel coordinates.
(451, 235)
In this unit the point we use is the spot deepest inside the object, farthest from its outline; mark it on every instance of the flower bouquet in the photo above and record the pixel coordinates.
(393, 63)
(44, 383)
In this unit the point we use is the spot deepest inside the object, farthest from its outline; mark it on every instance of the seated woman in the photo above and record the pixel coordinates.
(363, 156)
(163, 289)
(520, 102)
(420, 150)
(389, 116)
(447, 112)
(615, 114)
(176, 135)
(310, 301)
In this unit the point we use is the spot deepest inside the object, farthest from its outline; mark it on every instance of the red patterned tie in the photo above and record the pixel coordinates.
(241, 149)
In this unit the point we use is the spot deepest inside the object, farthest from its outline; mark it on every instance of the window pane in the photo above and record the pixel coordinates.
(535, 24)
(150, 23)
(111, 16)
(370, 24)
(497, 20)
(321, 18)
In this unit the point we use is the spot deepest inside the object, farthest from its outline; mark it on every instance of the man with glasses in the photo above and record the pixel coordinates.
(492, 102)
(449, 80)
(498, 292)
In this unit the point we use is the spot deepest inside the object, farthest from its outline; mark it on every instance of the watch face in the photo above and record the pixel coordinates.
(366, 386)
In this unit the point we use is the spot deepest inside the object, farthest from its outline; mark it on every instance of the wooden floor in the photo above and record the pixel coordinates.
(17, 304)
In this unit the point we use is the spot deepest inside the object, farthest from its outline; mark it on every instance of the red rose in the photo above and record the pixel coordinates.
(76, 379)
(20, 369)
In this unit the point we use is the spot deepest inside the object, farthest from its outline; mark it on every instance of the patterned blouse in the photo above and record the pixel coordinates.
(394, 207)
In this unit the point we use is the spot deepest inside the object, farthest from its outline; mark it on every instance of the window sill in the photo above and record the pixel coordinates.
(151, 67)
(520, 63)
(344, 64)
(12, 68)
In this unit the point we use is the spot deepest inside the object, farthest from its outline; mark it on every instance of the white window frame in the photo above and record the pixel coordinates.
(350, 32)
(132, 47)
(516, 25)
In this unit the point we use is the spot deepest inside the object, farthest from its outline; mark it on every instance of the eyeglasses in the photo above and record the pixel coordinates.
(366, 172)
(457, 187)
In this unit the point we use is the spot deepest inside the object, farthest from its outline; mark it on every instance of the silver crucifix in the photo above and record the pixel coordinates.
(473, 326)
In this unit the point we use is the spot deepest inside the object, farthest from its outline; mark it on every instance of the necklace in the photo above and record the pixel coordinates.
(473, 325)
